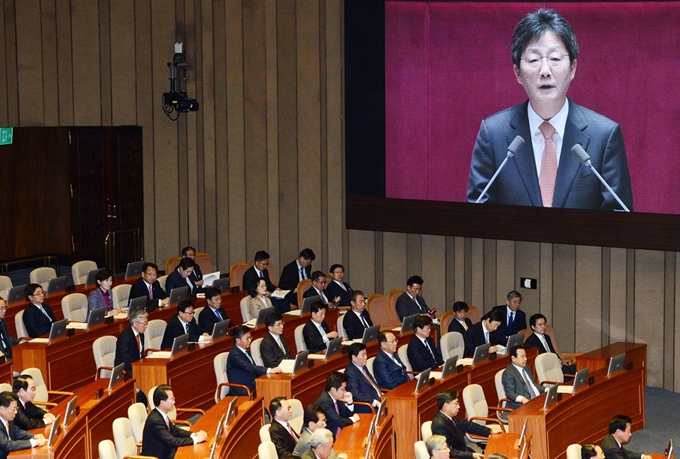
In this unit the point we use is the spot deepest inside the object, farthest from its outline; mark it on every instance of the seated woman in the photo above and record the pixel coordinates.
(101, 297)
(258, 298)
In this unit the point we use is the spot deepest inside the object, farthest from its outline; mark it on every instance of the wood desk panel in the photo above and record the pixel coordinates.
(636, 353)
(506, 443)
(6, 369)
(352, 439)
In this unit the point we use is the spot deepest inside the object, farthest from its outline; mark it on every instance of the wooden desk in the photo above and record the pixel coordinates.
(506, 443)
(563, 423)
(80, 439)
(636, 353)
(6, 369)
(352, 439)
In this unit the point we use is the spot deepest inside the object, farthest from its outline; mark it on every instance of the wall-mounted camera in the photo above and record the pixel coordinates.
(177, 101)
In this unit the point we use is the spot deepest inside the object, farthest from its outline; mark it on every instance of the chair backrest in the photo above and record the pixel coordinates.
(80, 269)
(426, 429)
(402, 352)
(107, 450)
(197, 312)
(220, 367)
(550, 331)
(369, 365)
(255, 351)
(527, 333)
(452, 344)
(474, 314)
(120, 295)
(498, 381)
(123, 438)
(380, 313)
(392, 302)
(300, 339)
(5, 286)
(137, 414)
(245, 308)
(549, 368)
(41, 394)
(5, 387)
(264, 434)
(236, 275)
(475, 402)
(203, 260)
(266, 450)
(445, 320)
(42, 276)
(171, 264)
(74, 307)
(161, 281)
(297, 418)
(153, 336)
(341, 327)
(302, 287)
(19, 324)
(574, 451)
(420, 450)
(104, 351)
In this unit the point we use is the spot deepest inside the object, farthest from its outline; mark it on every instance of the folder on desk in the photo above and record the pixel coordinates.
(291, 366)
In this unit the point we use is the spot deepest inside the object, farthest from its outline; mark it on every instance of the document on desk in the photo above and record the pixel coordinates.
(565, 389)
(121, 315)
(160, 355)
(279, 293)
(287, 365)
(347, 343)
(76, 325)
(295, 312)
(316, 356)
(208, 279)
(466, 361)
(39, 340)
(251, 323)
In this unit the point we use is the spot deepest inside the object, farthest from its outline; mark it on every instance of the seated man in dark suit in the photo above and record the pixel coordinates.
(318, 288)
(619, 434)
(360, 381)
(273, 348)
(539, 339)
(29, 416)
(422, 352)
(462, 325)
(183, 323)
(213, 312)
(241, 368)
(483, 332)
(410, 302)
(6, 341)
(295, 272)
(18, 438)
(518, 382)
(316, 332)
(388, 368)
(181, 277)
(515, 320)
(38, 316)
(130, 344)
(148, 286)
(282, 434)
(446, 424)
(314, 419)
(357, 319)
(337, 288)
(161, 438)
(259, 270)
(338, 403)
(196, 275)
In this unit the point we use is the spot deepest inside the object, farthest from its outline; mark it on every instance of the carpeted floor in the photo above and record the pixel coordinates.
(662, 410)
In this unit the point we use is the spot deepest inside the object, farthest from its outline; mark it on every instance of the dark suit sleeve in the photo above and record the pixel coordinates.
(473, 428)
(614, 170)
(138, 289)
(26, 420)
(352, 326)
(155, 427)
(440, 426)
(271, 353)
(126, 350)
(20, 440)
(282, 440)
(313, 338)
(361, 389)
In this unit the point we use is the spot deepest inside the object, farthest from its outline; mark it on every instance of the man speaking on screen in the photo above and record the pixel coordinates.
(543, 171)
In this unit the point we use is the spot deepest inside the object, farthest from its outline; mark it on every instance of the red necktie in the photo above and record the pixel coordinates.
(292, 432)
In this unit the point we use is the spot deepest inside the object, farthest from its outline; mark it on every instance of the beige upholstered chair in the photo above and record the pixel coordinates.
(300, 339)
(452, 344)
(223, 384)
(153, 336)
(392, 302)
(474, 314)
(255, 351)
(104, 351)
(5, 286)
(19, 325)
(296, 419)
(420, 450)
(244, 305)
(80, 270)
(42, 276)
(477, 411)
(74, 307)
(302, 287)
(503, 400)
(402, 352)
(123, 438)
(266, 450)
(137, 415)
(120, 294)
(42, 394)
(379, 311)
(197, 311)
(161, 281)
(549, 369)
(574, 451)
(264, 434)
(341, 327)
(426, 429)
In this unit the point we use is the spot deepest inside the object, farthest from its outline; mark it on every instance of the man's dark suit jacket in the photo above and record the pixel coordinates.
(35, 321)
(388, 374)
(518, 324)
(290, 276)
(175, 280)
(29, 417)
(9, 341)
(514, 385)
(534, 341)
(333, 290)
(361, 389)
(241, 370)
(576, 185)
(175, 328)
(250, 277)
(353, 326)
(311, 291)
(407, 307)
(139, 289)
(20, 439)
(611, 450)
(161, 442)
(456, 326)
(196, 275)
(282, 439)
(334, 419)
(476, 336)
(420, 357)
(207, 318)
(271, 352)
(313, 338)
(442, 425)
(127, 350)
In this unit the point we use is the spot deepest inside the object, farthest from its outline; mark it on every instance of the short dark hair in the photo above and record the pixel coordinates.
(335, 380)
(494, 315)
(513, 350)
(275, 405)
(446, 396)
(334, 267)
(261, 255)
(186, 263)
(212, 292)
(535, 317)
(354, 349)
(533, 25)
(184, 304)
(382, 337)
(422, 321)
(588, 451)
(317, 306)
(103, 274)
(186, 249)
(318, 276)
(355, 294)
(308, 254)
(272, 318)
(239, 331)
(30, 288)
(161, 394)
(148, 265)
(460, 306)
(7, 397)
(619, 422)
(252, 289)
(414, 280)
(311, 414)
(21, 382)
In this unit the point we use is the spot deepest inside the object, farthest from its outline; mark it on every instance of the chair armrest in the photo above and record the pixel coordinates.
(50, 404)
(138, 457)
(24, 338)
(489, 420)
(226, 384)
(411, 372)
(366, 404)
(567, 375)
(59, 392)
(499, 408)
(189, 410)
(146, 351)
(99, 370)
(181, 422)
(550, 383)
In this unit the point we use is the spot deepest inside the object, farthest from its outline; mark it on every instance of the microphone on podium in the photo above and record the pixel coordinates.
(584, 157)
(512, 149)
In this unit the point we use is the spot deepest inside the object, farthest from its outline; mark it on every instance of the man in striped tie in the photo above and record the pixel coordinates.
(282, 434)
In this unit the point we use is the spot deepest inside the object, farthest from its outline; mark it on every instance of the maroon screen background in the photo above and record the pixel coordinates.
(448, 66)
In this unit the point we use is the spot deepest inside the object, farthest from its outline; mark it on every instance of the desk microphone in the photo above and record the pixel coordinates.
(512, 149)
(584, 157)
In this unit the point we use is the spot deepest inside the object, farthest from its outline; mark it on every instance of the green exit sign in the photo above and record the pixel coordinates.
(6, 136)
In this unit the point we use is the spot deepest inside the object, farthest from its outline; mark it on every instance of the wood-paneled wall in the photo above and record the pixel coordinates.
(260, 166)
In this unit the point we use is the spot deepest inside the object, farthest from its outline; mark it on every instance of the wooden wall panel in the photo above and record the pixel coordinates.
(362, 260)
(649, 309)
(434, 271)
(123, 56)
(395, 271)
(29, 63)
(87, 90)
(564, 295)
(588, 297)
(4, 71)
(527, 264)
(50, 84)
(545, 283)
